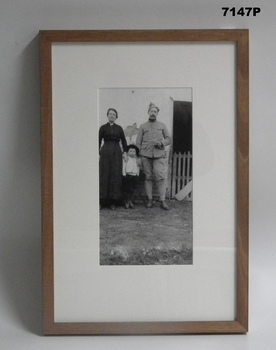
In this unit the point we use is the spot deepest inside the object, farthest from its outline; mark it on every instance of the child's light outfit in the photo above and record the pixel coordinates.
(130, 167)
(131, 172)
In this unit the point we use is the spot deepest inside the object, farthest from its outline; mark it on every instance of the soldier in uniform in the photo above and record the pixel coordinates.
(151, 140)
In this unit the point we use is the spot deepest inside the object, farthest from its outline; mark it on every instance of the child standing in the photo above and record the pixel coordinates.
(131, 170)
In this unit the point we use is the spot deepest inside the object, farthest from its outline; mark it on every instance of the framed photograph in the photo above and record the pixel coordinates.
(145, 145)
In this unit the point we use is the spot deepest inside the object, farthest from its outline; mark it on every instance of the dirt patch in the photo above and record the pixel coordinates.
(144, 236)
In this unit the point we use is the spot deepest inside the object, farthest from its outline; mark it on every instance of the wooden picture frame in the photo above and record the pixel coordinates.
(53, 324)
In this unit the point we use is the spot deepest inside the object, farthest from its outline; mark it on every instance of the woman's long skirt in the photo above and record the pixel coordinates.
(110, 171)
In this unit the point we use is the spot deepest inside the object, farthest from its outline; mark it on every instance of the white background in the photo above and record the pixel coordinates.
(20, 256)
(206, 289)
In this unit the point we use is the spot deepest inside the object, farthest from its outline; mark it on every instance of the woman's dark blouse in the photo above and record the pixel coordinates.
(113, 133)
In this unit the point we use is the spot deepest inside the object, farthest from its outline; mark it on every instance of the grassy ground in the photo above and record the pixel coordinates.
(144, 236)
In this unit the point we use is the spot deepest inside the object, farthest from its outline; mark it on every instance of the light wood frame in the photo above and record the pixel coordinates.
(241, 39)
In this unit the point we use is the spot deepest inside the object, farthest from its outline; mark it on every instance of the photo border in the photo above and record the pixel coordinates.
(240, 37)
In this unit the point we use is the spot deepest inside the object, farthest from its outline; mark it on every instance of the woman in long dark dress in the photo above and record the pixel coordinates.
(111, 158)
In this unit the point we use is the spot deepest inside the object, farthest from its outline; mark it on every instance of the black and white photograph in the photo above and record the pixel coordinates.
(145, 176)
(145, 182)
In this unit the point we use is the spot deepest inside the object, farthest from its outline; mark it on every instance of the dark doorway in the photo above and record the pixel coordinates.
(182, 127)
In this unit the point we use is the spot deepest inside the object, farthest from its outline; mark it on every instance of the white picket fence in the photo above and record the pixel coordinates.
(180, 172)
